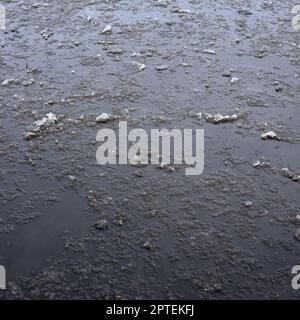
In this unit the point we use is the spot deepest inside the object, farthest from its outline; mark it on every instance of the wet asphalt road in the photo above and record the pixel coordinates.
(229, 233)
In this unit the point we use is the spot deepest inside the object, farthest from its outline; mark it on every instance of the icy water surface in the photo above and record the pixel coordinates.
(229, 233)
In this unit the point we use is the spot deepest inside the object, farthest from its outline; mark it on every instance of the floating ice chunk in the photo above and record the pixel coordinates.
(72, 178)
(139, 66)
(39, 125)
(248, 204)
(218, 118)
(234, 80)
(269, 135)
(28, 82)
(49, 120)
(209, 51)
(261, 164)
(104, 117)
(162, 67)
(296, 178)
(107, 29)
(101, 224)
(7, 82)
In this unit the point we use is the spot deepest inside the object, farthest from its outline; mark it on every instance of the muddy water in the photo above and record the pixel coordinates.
(204, 242)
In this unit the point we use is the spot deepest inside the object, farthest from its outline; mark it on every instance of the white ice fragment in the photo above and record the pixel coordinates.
(50, 119)
(269, 135)
(248, 204)
(209, 51)
(104, 117)
(261, 164)
(234, 80)
(139, 66)
(218, 118)
(7, 82)
(107, 29)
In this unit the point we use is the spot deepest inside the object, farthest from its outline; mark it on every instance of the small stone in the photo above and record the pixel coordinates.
(226, 74)
(286, 172)
(162, 68)
(297, 234)
(139, 173)
(115, 51)
(101, 224)
(30, 135)
(296, 178)
(248, 204)
(167, 167)
(149, 246)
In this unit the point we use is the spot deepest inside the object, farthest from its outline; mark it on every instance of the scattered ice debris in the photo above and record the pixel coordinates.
(101, 224)
(297, 234)
(217, 118)
(49, 120)
(40, 125)
(107, 29)
(104, 117)
(28, 82)
(7, 82)
(286, 172)
(139, 66)
(162, 68)
(293, 176)
(248, 204)
(209, 51)
(269, 135)
(234, 80)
